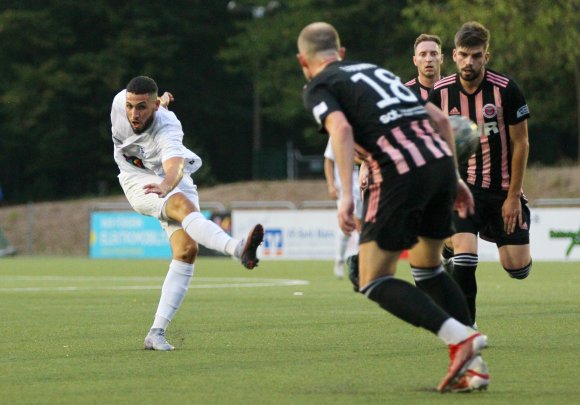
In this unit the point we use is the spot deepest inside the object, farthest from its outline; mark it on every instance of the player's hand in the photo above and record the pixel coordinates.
(165, 99)
(464, 204)
(511, 212)
(345, 214)
(160, 189)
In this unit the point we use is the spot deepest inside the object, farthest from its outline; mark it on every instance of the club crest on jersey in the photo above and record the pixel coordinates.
(489, 111)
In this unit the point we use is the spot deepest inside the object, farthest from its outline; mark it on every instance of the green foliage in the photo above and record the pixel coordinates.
(63, 64)
(266, 48)
(63, 61)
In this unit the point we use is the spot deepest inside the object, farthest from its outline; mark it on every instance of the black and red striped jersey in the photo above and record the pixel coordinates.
(494, 106)
(417, 88)
(390, 125)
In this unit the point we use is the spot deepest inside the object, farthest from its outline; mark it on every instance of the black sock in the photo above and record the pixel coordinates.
(406, 302)
(465, 265)
(439, 285)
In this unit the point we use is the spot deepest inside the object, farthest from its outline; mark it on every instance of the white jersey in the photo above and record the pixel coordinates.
(146, 152)
(329, 154)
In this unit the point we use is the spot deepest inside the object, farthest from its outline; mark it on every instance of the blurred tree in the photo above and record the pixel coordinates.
(64, 62)
(369, 30)
(53, 70)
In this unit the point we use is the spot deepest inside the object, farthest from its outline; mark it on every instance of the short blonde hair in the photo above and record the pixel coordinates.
(318, 38)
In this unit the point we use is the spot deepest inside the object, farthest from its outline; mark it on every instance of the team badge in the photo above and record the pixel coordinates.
(489, 111)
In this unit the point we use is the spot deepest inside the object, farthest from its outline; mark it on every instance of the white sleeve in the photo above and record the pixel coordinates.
(171, 144)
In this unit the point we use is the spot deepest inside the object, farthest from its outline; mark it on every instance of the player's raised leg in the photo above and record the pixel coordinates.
(212, 236)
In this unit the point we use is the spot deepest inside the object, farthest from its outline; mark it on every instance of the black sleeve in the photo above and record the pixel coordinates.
(320, 102)
(517, 109)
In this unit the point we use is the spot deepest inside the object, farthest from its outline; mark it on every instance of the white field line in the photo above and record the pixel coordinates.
(209, 282)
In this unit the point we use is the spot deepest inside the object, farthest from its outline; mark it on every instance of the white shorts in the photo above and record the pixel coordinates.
(150, 204)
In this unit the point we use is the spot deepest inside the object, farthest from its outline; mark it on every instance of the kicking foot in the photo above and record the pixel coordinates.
(247, 248)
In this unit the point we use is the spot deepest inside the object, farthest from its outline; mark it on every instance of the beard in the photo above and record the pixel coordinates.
(145, 126)
(470, 75)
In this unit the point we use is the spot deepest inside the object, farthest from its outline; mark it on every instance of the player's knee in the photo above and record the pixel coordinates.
(178, 206)
(520, 274)
(186, 252)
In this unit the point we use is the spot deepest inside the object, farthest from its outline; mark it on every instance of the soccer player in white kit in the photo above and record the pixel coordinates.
(155, 174)
(335, 191)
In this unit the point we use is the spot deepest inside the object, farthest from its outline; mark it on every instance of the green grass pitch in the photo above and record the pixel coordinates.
(72, 332)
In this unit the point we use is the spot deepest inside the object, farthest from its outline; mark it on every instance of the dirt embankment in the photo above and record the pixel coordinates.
(62, 228)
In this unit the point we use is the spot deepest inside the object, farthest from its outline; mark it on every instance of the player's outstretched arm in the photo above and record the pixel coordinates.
(173, 173)
(329, 175)
(341, 133)
(512, 207)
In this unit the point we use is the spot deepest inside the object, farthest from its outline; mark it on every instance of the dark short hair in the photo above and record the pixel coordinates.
(142, 85)
(472, 34)
(427, 37)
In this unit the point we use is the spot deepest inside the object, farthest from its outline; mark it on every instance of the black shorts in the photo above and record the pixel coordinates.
(488, 222)
(402, 207)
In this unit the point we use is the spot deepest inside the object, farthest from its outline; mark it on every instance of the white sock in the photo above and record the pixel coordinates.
(208, 234)
(342, 244)
(453, 332)
(173, 292)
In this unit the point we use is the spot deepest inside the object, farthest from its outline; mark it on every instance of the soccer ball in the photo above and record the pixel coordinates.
(466, 137)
